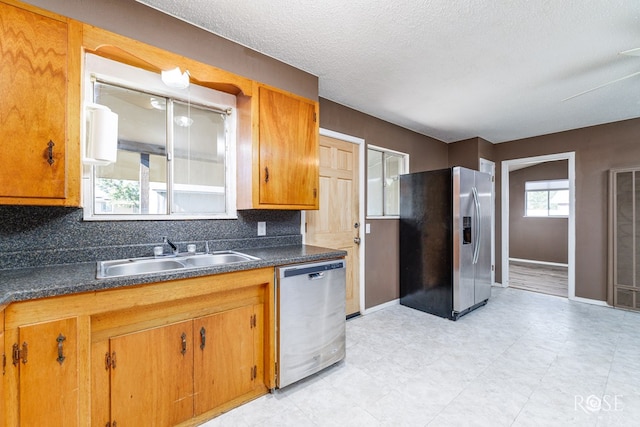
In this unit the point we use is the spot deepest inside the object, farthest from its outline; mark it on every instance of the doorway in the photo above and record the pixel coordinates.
(509, 165)
(337, 224)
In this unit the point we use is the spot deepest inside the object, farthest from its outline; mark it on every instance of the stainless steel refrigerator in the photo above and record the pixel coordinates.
(445, 241)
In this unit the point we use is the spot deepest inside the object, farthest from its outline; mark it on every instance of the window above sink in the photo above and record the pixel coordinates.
(175, 153)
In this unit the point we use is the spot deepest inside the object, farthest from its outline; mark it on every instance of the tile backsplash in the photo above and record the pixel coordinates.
(33, 236)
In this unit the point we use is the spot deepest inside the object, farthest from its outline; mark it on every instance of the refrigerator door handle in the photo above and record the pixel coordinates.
(478, 239)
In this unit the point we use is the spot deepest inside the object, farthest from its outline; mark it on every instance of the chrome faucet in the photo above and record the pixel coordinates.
(174, 248)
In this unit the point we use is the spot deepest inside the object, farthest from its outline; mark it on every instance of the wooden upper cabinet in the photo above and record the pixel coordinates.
(39, 167)
(288, 150)
(281, 169)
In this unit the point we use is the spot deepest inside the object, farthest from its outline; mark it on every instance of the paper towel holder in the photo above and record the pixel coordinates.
(175, 78)
(101, 139)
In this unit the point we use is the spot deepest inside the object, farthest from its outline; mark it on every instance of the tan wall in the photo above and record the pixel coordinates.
(597, 149)
(381, 257)
(140, 22)
(538, 239)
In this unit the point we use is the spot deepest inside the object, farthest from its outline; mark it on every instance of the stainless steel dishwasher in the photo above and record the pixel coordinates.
(310, 318)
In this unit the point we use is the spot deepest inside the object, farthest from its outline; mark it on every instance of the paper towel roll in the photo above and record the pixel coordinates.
(102, 135)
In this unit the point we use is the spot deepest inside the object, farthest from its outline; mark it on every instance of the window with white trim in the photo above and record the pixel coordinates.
(549, 198)
(175, 156)
(384, 168)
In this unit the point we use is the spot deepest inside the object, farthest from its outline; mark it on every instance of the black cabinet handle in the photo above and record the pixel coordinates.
(203, 337)
(50, 152)
(266, 174)
(61, 339)
(184, 343)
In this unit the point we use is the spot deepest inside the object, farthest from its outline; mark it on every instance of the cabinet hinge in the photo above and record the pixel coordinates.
(4, 363)
(253, 321)
(276, 369)
(20, 354)
(110, 360)
(111, 424)
(315, 117)
(254, 372)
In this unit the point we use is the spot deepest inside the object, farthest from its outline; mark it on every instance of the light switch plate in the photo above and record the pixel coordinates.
(262, 228)
(367, 228)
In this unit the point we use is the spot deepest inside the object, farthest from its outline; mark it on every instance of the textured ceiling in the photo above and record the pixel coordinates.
(449, 69)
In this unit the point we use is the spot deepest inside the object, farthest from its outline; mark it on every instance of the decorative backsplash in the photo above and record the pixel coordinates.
(35, 236)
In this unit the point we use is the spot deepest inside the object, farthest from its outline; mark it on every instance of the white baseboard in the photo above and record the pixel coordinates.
(532, 261)
(498, 285)
(380, 307)
(591, 301)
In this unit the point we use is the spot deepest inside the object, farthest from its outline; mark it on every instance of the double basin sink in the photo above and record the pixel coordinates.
(135, 266)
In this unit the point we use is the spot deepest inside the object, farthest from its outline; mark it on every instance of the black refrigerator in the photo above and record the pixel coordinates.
(445, 241)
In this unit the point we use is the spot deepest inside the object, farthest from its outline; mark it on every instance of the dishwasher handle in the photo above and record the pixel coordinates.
(313, 271)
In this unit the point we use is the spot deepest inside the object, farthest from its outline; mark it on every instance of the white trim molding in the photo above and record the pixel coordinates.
(532, 261)
(591, 301)
(571, 256)
(380, 306)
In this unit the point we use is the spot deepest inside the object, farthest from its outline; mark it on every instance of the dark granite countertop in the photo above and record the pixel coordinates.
(31, 283)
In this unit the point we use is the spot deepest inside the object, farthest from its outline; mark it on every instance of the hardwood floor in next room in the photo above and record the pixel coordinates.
(524, 359)
(543, 278)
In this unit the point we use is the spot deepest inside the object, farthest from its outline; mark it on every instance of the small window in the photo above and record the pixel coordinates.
(175, 148)
(384, 168)
(547, 198)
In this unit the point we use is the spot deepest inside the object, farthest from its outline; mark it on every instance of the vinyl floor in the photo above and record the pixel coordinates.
(547, 279)
(524, 359)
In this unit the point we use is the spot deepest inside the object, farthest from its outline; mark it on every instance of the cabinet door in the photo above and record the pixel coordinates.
(33, 79)
(3, 368)
(288, 150)
(49, 374)
(225, 365)
(152, 376)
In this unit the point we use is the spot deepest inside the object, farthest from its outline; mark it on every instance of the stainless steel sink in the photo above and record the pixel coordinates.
(206, 260)
(130, 267)
(136, 266)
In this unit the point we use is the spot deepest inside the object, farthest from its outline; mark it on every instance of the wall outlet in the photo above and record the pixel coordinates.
(262, 228)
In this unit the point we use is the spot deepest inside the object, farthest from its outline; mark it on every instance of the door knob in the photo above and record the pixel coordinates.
(356, 240)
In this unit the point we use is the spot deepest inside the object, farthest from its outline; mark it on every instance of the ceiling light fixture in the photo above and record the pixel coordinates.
(176, 79)
(158, 103)
(183, 121)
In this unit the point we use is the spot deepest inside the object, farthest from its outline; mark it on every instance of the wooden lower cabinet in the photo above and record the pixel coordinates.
(3, 369)
(227, 356)
(166, 375)
(152, 376)
(174, 353)
(47, 366)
